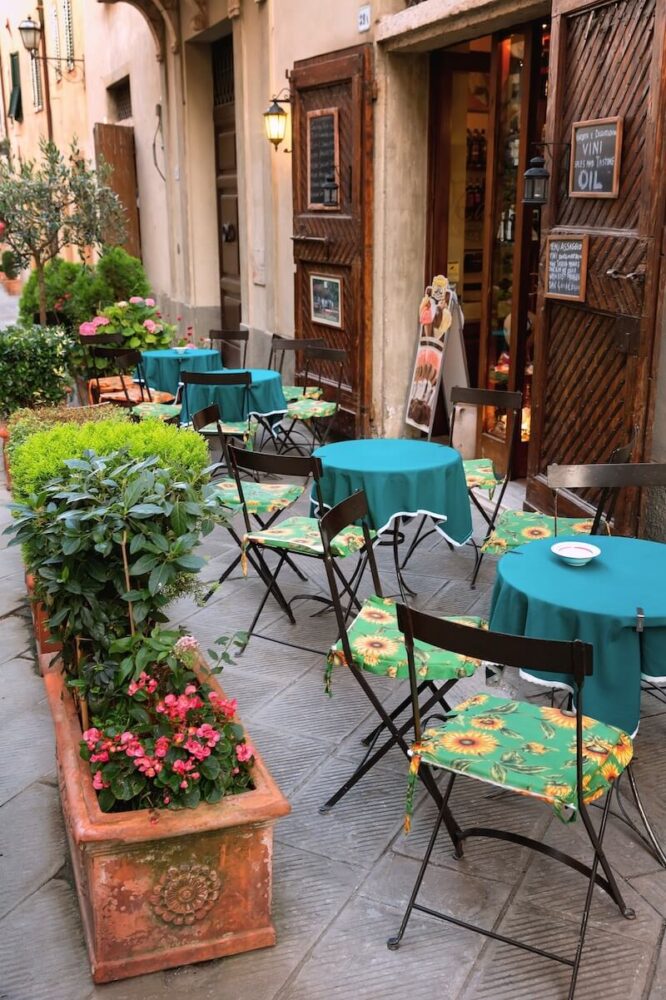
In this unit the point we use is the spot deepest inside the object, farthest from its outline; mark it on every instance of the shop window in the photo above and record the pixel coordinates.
(15, 103)
(37, 93)
(120, 100)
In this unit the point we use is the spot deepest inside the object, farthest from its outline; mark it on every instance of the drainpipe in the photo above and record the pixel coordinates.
(47, 87)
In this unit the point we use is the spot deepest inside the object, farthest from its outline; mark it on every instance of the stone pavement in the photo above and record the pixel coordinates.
(340, 880)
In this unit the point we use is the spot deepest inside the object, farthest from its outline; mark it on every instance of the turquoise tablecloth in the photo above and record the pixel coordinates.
(162, 368)
(400, 477)
(264, 396)
(536, 594)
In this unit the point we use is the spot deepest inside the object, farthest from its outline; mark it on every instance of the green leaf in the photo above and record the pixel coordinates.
(159, 577)
(190, 563)
(210, 768)
(144, 564)
(145, 510)
(498, 774)
(106, 800)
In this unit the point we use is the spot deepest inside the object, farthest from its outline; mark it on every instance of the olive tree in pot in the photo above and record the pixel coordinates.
(168, 808)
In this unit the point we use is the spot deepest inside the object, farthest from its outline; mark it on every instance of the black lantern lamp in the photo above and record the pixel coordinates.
(331, 190)
(30, 33)
(536, 176)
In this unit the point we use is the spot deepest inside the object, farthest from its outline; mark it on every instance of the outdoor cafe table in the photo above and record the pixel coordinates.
(400, 477)
(537, 594)
(263, 397)
(162, 368)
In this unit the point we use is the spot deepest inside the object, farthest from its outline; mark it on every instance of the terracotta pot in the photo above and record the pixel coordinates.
(13, 286)
(43, 638)
(165, 888)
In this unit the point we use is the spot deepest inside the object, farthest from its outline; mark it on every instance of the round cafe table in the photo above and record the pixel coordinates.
(263, 397)
(162, 368)
(537, 594)
(400, 477)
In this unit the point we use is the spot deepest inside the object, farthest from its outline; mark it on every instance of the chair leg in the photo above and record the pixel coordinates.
(478, 559)
(271, 587)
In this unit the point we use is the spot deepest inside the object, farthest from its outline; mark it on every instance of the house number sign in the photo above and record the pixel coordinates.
(596, 148)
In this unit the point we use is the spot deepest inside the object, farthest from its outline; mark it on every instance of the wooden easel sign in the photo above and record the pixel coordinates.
(566, 267)
(435, 319)
(596, 149)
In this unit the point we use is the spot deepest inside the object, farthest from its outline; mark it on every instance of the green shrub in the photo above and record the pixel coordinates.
(24, 423)
(44, 454)
(34, 364)
(9, 265)
(122, 274)
(61, 278)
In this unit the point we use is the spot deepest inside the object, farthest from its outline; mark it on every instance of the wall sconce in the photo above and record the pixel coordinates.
(31, 35)
(536, 177)
(275, 120)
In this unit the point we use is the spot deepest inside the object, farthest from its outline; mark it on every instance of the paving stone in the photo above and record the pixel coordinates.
(42, 954)
(20, 687)
(33, 845)
(28, 753)
(652, 888)
(658, 986)
(15, 634)
(291, 757)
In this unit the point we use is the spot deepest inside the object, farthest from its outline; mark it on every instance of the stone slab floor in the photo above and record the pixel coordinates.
(341, 880)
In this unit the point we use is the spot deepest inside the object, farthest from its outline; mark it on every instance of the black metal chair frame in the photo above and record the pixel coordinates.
(284, 465)
(510, 401)
(220, 337)
(281, 346)
(241, 378)
(316, 358)
(545, 655)
(351, 511)
(125, 358)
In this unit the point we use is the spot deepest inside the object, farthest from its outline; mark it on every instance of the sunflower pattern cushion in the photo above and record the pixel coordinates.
(378, 646)
(526, 748)
(516, 527)
(260, 498)
(294, 392)
(480, 474)
(301, 534)
(310, 409)
(162, 411)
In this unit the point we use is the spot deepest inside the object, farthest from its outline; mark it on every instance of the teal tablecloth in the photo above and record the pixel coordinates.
(264, 396)
(162, 368)
(400, 476)
(536, 594)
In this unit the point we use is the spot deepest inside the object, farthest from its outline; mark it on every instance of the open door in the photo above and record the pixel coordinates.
(332, 237)
(115, 145)
(594, 357)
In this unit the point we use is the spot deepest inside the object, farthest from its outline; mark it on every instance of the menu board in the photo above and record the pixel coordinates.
(566, 267)
(322, 153)
(596, 147)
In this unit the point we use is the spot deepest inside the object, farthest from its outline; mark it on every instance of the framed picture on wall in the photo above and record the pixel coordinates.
(326, 300)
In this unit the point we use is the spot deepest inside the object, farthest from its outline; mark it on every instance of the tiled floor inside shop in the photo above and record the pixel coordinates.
(340, 880)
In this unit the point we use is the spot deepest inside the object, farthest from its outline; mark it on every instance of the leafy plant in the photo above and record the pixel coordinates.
(25, 422)
(168, 740)
(9, 265)
(55, 203)
(34, 364)
(122, 274)
(104, 540)
(61, 279)
(44, 454)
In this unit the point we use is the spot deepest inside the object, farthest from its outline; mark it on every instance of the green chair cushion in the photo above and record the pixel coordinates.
(295, 392)
(516, 527)
(301, 534)
(480, 474)
(163, 411)
(309, 409)
(377, 646)
(527, 748)
(234, 428)
(260, 498)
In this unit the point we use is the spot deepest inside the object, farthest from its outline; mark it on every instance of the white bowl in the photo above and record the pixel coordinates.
(576, 553)
(180, 350)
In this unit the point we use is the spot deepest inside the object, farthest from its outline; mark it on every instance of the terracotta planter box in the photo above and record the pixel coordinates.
(160, 889)
(46, 644)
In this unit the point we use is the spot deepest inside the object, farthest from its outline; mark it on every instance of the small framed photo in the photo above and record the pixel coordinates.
(326, 300)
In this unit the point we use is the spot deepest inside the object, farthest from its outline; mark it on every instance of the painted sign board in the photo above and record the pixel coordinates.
(596, 149)
(566, 267)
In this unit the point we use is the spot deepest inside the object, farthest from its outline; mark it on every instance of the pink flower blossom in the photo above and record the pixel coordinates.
(150, 325)
(182, 766)
(92, 735)
(209, 735)
(185, 643)
(244, 751)
(136, 300)
(161, 746)
(166, 800)
(150, 302)
(225, 706)
(101, 757)
(87, 329)
(98, 781)
(198, 750)
(100, 321)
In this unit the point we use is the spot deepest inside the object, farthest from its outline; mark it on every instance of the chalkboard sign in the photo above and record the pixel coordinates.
(596, 147)
(322, 154)
(566, 267)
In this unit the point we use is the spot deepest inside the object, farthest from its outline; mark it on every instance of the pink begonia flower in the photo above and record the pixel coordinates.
(98, 781)
(150, 325)
(244, 751)
(136, 300)
(150, 302)
(87, 329)
(227, 706)
(101, 321)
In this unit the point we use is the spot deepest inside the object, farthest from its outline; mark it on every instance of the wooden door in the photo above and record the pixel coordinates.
(593, 359)
(226, 180)
(114, 144)
(332, 139)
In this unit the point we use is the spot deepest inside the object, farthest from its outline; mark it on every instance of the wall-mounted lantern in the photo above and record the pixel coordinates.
(536, 176)
(275, 120)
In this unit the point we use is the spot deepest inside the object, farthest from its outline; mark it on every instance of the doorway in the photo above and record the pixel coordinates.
(226, 179)
(487, 111)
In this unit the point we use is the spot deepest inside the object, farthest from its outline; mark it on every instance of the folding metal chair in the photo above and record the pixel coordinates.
(519, 747)
(372, 644)
(292, 536)
(281, 349)
(480, 473)
(126, 388)
(240, 430)
(237, 339)
(324, 368)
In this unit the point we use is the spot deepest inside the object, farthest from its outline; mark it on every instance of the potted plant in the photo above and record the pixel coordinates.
(168, 808)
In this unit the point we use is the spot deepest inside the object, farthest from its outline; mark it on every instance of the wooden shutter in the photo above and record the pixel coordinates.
(115, 145)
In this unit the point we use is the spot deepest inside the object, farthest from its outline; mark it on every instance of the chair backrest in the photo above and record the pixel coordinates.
(209, 415)
(574, 659)
(273, 465)
(124, 360)
(281, 347)
(512, 402)
(221, 337)
(609, 479)
(344, 514)
(320, 363)
(101, 339)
